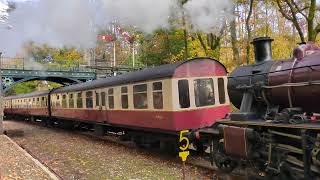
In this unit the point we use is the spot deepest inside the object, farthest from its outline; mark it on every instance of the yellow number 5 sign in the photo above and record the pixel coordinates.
(185, 144)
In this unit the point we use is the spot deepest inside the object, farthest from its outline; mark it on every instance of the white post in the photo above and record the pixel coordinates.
(1, 99)
(133, 54)
(114, 53)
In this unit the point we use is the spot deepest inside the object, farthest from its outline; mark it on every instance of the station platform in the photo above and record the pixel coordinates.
(16, 163)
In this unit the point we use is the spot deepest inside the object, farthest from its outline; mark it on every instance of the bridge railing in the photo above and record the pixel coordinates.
(27, 64)
(23, 64)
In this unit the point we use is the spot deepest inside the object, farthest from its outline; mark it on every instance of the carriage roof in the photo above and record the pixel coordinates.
(159, 72)
(33, 94)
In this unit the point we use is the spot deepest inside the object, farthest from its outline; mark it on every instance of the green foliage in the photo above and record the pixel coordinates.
(41, 54)
(50, 57)
(162, 47)
(23, 88)
(31, 86)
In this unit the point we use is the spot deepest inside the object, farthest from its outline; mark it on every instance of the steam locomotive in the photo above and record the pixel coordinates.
(276, 131)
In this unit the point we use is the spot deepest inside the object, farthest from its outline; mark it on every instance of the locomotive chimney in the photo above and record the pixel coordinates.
(262, 49)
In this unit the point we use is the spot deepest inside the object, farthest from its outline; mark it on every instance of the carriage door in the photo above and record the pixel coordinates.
(97, 106)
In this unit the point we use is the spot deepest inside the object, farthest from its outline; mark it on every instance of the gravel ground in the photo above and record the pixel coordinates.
(74, 156)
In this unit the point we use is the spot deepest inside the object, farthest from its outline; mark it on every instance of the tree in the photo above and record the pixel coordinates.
(248, 28)
(210, 43)
(233, 34)
(299, 13)
(185, 31)
(164, 46)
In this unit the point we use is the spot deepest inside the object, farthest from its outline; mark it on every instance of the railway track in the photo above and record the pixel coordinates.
(193, 160)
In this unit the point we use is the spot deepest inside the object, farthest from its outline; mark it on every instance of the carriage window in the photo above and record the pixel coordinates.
(89, 101)
(42, 102)
(184, 99)
(124, 97)
(38, 102)
(71, 101)
(204, 92)
(110, 98)
(222, 94)
(52, 103)
(79, 100)
(97, 99)
(157, 95)
(58, 101)
(64, 101)
(140, 97)
(103, 99)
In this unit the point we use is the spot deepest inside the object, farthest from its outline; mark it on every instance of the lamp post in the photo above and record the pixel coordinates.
(1, 99)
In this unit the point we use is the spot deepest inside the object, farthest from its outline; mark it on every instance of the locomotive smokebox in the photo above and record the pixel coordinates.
(262, 49)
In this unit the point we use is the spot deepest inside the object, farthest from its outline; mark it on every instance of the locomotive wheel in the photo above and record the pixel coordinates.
(224, 163)
(139, 142)
(200, 147)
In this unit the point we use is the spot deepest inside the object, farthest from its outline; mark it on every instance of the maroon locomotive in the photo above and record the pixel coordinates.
(147, 106)
(276, 132)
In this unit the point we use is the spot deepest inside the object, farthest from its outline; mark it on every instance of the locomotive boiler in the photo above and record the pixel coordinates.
(268, 87)
(276, 130)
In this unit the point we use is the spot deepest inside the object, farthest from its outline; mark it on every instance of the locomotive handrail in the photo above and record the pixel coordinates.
(299, 84)
(275, 71)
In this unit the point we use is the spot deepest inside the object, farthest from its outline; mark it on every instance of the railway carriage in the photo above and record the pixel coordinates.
(157, 98)
(32, 104)
(156, 101)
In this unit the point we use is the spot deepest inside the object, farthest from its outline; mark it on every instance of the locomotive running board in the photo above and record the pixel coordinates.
(314, 126)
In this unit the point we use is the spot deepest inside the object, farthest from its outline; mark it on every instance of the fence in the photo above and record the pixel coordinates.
(27, 64)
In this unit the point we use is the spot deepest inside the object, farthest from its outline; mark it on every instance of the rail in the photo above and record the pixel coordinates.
(25, 64)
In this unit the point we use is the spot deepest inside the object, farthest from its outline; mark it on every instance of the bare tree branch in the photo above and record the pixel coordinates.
(312, 33)
(282, 11)
(299, 10)
(204, 46)
(293, 18)
(248, 31)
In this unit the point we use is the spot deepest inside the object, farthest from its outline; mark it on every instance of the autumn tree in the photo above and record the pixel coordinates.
(233, 34)
(301, 12)
(248, 28)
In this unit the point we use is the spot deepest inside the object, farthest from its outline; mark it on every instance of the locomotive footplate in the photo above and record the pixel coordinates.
(314, 126)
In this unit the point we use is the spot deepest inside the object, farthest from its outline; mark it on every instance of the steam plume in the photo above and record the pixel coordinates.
(75, 22)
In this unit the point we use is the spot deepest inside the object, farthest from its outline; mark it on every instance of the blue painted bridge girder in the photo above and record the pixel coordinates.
(11, 77)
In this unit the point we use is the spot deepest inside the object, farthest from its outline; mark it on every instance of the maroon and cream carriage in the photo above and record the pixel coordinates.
(162, 100)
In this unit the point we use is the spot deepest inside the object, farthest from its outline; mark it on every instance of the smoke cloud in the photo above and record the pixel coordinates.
(3, 11)
(76, 22)
(208, 15)
(54, 22)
